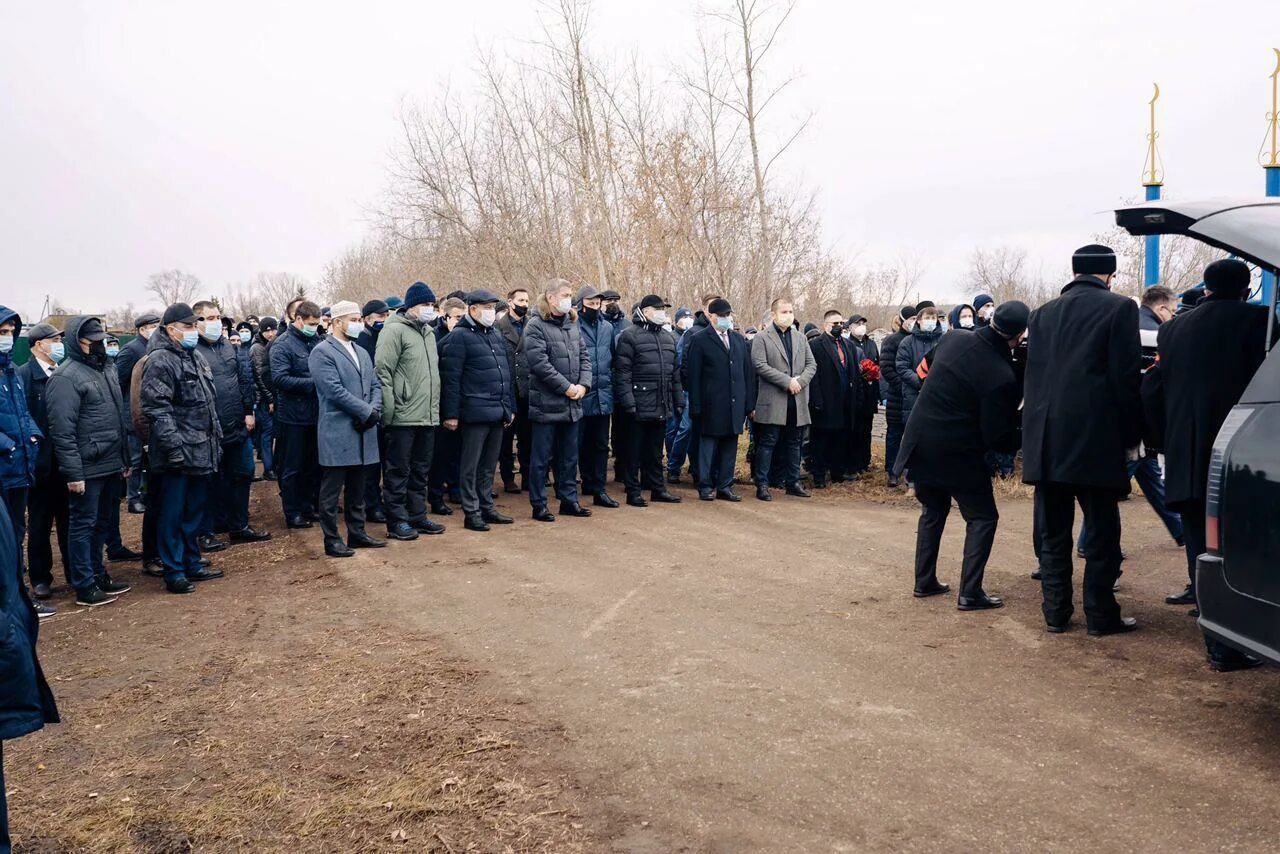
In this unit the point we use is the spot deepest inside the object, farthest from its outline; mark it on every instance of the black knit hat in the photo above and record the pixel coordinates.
(1228, 276)
(921, 306)
(268, 324)
(1011, 318)
(1093, 260)
(907, 312)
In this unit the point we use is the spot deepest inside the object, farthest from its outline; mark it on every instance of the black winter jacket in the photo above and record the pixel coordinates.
(475, 375)
(179, 402)
(889, 377)
(86, 413)
(296, 401)
(646, 379)
(513, 334)
(34, 382)
(129, 356)
(557, 358)
(260, 363)
(911, 352)
(232, 387)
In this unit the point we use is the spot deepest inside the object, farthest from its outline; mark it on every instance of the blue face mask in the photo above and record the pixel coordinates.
(724, 324)
(58, 351)
(113, 351)
(190, 338)
(6, 343)
(378, 324)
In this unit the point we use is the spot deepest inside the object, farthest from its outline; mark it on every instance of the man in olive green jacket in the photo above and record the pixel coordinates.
(409, 370)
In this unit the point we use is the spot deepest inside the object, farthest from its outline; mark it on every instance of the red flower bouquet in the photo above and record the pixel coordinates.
(870, 370)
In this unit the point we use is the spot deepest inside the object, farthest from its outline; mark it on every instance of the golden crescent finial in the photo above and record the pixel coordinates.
(1156, 96)
(1276, 73)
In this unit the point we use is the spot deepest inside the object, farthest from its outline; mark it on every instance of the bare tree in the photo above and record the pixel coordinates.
(266, 294)
(172, 286)
(1005, 273)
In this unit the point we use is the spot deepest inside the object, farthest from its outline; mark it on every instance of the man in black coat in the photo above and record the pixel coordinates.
(862, 346)
(647, 391)
(895, 423)
(517, 439)
(1081, 422)
(968, 406)
(1196, 394)
(144, 326)
(721, 385)
(835, 400)
(297, 411)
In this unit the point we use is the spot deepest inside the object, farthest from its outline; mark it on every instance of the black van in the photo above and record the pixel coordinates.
(1238, 578)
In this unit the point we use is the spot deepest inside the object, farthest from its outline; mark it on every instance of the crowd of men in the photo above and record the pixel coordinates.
(402, 409)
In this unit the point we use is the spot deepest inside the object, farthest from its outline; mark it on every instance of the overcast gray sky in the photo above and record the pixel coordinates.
(236, 137)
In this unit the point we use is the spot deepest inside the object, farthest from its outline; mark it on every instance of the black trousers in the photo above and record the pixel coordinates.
(373, 477)
(1102, 551)
(717, 457)
(298, 460)
(478, 450)
(830, 450)
(593, 453)
(981, 517)
(445, 475)
(621, 444)
(151, 518)
(46, 507)
(644, 455)
(347, 481)
(408, 462)
(778, 454)
(1193, 534)
(859, 458)
(516, 442)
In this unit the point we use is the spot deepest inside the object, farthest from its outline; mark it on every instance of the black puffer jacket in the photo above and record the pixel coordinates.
(513, 331)
(86, 413)
(646, 379)
(911, 352)
(232, 387)
(557, 358)
(260, 360)
(475, 375)
(178, 400)
(889, 377)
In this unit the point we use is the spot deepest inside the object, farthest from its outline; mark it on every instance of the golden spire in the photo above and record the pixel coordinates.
(1273, 117)
(1153, 168)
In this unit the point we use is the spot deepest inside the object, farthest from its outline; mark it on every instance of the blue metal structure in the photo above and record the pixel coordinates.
(1271, 165)
(1152, 180)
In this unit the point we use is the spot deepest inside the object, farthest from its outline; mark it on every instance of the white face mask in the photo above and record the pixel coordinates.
(565, 305)
(212, 330)
(785, 320)
(354, 328)
(426, 315)
(860, 330)
(909, 324)
(488, 316)
(986, 311)
(659, 317)
(928, 325)
(685, 323)
(966, 323)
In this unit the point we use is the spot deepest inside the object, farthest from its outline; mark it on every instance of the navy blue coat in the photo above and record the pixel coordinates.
(26, 703)
(721, 383)
(475, 375)
(599, 340)
(289, 357)
(18, 453)
(33, 382)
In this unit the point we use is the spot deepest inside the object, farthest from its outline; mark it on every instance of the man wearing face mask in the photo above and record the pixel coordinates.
(891, 384)
(179, 405)
(984, 308)
(1080, 421)
(47, 499)
(20, 438)
(647, 391)
(721, 383)
(86, 428)
(678, 429)
(611, 308)
(265, 401)
(227, 502)
(969, 406)
(144, 326)
(785, 365)
(516, 439)
(477, 400)
(297, 410)
(835, 399)
(374, 315)
(408, 366)
(863, 347)
(446, 477)
(597, 406)
(559, 378)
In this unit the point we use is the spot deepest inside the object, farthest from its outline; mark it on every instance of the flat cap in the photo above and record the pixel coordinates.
(145, 319)
(41, 331)
(482, 297)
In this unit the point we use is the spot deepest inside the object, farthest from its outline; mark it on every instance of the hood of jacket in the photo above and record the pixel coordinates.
(543, 307)
(72, 336)
(7, 314)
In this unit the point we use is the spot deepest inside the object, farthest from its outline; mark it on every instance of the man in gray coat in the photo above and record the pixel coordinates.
(785, 367)
(350, 408)
(559, 377)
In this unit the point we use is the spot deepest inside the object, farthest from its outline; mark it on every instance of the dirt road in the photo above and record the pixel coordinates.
(758, 678)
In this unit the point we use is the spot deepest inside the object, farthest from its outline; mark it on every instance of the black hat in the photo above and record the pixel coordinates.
(610, 295)
(907, 312)
(855, 319)
(91, 330)
(179, 312)
(587, 292)
(1228, 276)
(41, 331)
(921, 306)
(482, 297)
(654, 301)
(419, 293)
(145, 319)
(267, 324)
(1011, 318)
(244, 324)
(373, 306)
(1192, 296)
(720, 306)
(1094, 260)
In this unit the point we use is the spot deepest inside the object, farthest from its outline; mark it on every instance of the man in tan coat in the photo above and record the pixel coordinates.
(785, 366)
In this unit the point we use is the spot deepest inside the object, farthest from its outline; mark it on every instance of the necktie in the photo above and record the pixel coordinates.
(724, 338)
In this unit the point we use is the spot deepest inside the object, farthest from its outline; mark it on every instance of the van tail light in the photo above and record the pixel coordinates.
(1217, 469)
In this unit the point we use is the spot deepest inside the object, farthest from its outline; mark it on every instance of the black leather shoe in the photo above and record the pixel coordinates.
(249, 535)
(441, 509)
(123, 553)
(673, 478)
(819, 483)
(603, 499)
(542, 514)
(728, 495)
(402, 531)
(706, 495)
(180, 586)
(762, 493)
(474, 522)
(1057, 629)
(379, 516)
(153, 568)
(41, 591)
(137, 508)
(337, 548)
(636, 501)
(893, 482)
(298, 522)
(210, 543)
(314, 515)
(664, 497)
(1123, 626)
(203, 574)
(493, 517)
(798, 491)
(1230, 665)
(936, 590)
(1186, 597)
(1037, 575)
(573, 508)
(364, 541)
(979, 603)
(511, 487)
(427, 526)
